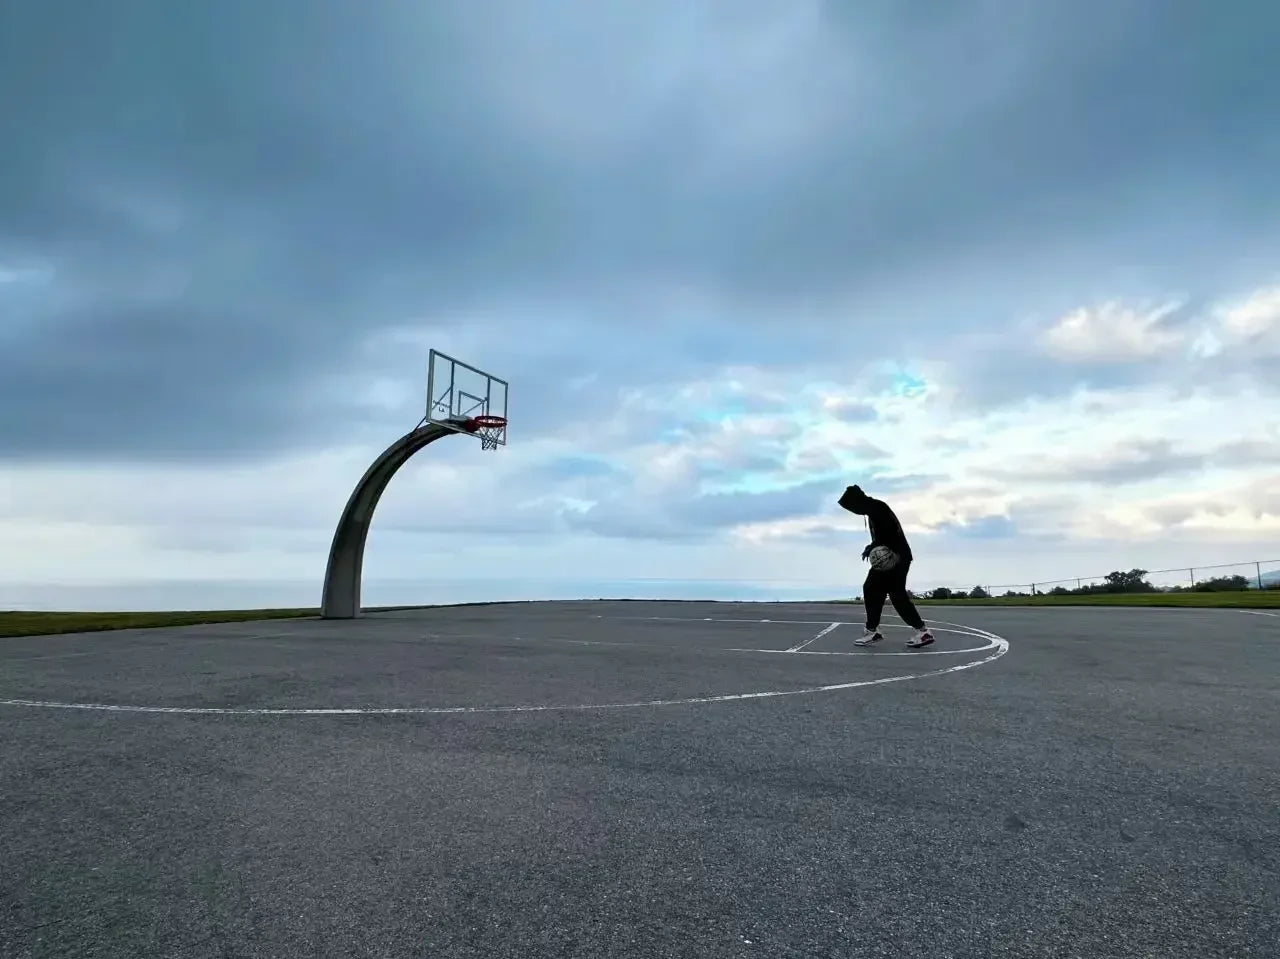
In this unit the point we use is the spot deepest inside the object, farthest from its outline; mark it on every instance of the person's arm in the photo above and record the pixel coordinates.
(881, 522)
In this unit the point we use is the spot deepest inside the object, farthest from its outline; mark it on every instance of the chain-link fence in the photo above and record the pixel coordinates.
(1252, 574)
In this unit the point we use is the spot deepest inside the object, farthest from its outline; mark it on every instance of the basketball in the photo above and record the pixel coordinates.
(882, 557)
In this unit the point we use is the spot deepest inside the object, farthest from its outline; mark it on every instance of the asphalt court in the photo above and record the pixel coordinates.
(646, 779)
(560, 656)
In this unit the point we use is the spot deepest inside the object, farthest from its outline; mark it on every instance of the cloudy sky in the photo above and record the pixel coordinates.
(1013, 267)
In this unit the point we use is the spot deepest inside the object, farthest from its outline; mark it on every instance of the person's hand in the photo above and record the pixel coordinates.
(867, 551)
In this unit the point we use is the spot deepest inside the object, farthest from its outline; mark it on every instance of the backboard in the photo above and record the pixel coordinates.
(457, 391)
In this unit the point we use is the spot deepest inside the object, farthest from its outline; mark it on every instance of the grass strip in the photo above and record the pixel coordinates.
(24, 623)
(1250, 599)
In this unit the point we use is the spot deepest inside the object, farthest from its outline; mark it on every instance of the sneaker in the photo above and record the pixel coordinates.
(868, 637)
(922, 638)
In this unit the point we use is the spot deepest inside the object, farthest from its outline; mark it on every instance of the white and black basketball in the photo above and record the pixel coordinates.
(883, 558)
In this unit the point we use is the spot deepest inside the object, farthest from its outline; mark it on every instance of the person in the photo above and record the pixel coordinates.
(881, 583)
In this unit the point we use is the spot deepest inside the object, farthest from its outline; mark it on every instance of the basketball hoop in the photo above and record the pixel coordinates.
(490, 429)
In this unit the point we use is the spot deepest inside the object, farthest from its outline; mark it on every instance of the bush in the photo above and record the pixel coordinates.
(1220, 584)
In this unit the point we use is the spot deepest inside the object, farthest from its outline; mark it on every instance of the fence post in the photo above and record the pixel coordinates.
(1259, 566)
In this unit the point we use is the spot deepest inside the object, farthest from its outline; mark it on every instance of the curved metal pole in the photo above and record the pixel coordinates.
(346, 556)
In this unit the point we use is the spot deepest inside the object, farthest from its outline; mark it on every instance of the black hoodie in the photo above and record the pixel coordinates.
(881, 521)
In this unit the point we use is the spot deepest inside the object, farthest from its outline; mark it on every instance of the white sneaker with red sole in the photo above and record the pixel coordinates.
(922, 638)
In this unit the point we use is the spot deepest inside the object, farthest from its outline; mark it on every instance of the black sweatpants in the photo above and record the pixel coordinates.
(893, 584)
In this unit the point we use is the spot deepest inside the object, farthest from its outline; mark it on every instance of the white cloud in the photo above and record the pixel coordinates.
(1245, 326)
(1243, 510)
(1115, 333)
(1253, 320)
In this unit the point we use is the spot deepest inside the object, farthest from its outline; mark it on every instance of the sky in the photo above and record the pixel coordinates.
(1013, 268)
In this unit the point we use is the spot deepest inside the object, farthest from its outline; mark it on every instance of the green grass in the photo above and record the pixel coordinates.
(1248, 599)
(21, 623)
(42, 624)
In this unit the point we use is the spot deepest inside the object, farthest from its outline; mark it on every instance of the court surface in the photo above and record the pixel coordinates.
(646, 779)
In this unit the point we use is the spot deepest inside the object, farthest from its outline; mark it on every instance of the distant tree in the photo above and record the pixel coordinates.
(1222, 584)
(940, 592)
(1060, 591)
(1134, 581)
(979, 593)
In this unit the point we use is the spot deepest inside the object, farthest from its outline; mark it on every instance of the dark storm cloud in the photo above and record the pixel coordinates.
(144, 138)
(233, 198)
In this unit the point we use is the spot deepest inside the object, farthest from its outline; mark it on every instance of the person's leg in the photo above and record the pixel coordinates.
(907, 609)
(902, 600)
(874, 591)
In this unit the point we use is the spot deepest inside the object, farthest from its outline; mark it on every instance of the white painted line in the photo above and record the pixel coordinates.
(925, 608)
(669, 647)
(709, 619)
(774, 622)
(873, 652)
(44, 657)
(967, 631)
(606, 642)
(1001, 647)
(910, 652)
(799, 646)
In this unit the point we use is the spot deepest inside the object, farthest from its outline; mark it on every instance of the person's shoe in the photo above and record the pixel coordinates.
(869, 636)
(922, 638)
